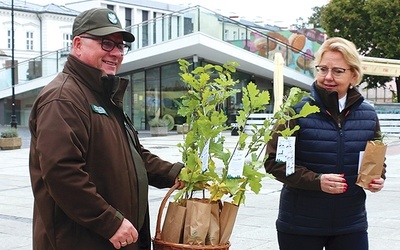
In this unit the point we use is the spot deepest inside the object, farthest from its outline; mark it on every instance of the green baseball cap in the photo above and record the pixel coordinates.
(99, 22)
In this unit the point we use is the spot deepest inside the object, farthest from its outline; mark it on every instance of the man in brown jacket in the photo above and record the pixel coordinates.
(89, 173)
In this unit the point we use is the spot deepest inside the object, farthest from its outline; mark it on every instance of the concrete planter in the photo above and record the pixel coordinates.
(159, 131)
(10, 143)
(182, 129)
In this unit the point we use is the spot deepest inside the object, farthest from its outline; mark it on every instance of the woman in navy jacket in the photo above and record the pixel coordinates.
(320, 204)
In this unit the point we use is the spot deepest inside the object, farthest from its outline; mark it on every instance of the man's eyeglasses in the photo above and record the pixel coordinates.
(108, 45)
(336, 72)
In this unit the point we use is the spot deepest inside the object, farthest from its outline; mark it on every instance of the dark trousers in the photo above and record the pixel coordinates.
(352, 241)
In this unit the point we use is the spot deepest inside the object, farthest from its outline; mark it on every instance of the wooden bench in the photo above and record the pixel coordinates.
(390, 124)
(256, 119)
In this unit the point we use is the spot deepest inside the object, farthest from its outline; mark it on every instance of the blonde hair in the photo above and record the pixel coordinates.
(349, 52)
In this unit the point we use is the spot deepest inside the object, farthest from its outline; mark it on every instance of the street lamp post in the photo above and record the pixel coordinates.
(13, 115)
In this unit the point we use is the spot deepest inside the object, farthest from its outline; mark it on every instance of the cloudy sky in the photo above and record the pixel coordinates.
(279, 12)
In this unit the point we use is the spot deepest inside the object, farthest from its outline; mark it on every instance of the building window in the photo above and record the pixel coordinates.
(226, 35)
(110, 7)
(242, 37)
(155, 28)
(178, 28)
(29, 40)
(67, 40)
(188, 25)
(128, 17)
(145, 15)
(9, 38)
(170, 27)
(163, 22)
(145, 28)
(234, 35)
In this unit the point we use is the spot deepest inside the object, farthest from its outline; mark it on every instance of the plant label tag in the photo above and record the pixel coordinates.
(205, 154)
(236, 165)
(360, 157)
(285, 152)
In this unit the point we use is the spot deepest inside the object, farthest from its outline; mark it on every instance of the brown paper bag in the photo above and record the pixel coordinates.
(213, 231)
(372, 163)
(227, 221)
(197, 222)
(173, 223)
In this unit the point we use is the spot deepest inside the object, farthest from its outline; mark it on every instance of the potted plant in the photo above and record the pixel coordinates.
(219, 176)
(9, 139)
(158, 126)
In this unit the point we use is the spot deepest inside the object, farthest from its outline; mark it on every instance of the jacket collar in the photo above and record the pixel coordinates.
(109, 86)
(328, 100)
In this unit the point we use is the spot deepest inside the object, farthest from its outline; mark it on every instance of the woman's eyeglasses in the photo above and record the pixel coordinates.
(336, 72)
(108, 45)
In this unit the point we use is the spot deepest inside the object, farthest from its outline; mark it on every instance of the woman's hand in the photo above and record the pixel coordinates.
(333, 183)
(376, 185)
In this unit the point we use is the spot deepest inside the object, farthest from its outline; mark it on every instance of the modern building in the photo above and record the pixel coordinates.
(41, 36)
(164, 33)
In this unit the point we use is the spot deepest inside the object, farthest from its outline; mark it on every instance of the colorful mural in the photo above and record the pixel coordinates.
(304, 43)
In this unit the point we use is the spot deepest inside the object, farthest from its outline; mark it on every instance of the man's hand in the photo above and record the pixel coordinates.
(125, 235)
(180, 184)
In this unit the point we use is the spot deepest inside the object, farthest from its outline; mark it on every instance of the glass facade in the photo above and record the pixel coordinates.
(155, 90)
(172, 89)
(152, 93)
(138, 104)
(160, 89)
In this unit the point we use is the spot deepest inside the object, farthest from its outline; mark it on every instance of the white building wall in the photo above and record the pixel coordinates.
(48, 33)
(49, 29)
(53, 29)
(84, 5)
(23, 22)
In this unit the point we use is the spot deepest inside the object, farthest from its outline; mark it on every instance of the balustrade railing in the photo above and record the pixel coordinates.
(168, 27)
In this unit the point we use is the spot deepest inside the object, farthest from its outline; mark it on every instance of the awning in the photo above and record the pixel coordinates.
(380, 66)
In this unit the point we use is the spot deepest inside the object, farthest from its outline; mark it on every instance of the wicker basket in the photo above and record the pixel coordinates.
(159, 244)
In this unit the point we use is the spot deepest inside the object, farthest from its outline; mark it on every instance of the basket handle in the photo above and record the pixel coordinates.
(161, 209)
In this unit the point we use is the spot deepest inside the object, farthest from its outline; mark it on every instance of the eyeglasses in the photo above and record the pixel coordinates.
(336, 72)
(108, 45)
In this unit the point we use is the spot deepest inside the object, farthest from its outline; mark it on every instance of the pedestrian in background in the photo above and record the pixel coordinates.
(89, 172)
(320, 203)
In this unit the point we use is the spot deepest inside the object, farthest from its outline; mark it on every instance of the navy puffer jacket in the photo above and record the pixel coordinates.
(326, 145)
